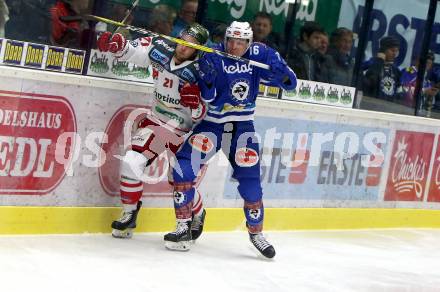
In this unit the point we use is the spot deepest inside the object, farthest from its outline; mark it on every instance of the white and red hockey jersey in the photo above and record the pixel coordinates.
(169, 78)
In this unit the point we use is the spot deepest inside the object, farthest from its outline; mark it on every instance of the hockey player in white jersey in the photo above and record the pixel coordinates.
(176, 106)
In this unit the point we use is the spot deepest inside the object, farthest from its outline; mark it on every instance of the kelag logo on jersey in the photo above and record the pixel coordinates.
(159, 57)
(237, 68)
(240, 89)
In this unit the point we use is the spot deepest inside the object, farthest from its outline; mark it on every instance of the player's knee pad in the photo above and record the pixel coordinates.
(183, 203)
(183, 198)
(133, 165)
(250, 189)
(254, 213)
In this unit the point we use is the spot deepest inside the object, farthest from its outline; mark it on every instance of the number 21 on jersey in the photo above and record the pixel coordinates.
(168, 83)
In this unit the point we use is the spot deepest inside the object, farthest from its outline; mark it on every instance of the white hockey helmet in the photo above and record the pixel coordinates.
(239, 30)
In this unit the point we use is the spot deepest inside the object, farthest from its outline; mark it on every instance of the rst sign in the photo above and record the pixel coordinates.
(404, 19)
(32, 159)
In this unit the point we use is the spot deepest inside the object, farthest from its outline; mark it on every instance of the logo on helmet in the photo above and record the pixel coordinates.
(198, 32)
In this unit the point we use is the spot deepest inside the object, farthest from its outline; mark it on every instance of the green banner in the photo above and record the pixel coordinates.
(326, 12)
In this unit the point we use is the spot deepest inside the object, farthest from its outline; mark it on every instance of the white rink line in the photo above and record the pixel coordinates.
(366, 260)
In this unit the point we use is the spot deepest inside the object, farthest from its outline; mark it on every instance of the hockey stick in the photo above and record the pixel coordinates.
(179, 41)
(127, 14)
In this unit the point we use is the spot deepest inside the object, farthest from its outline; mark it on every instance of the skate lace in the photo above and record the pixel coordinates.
(126, 216)
(260, 242)
(181, 227)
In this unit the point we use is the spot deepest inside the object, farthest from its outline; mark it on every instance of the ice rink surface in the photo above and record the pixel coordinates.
(365, 260)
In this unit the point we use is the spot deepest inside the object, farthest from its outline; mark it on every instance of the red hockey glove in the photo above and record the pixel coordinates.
(190, 96)
(103, 40)
(111, 43)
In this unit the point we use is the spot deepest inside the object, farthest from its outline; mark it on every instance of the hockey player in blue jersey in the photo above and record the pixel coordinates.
(230, 88)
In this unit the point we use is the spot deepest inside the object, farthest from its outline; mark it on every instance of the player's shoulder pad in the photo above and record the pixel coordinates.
(142, 41)
(258, 51)
(218, 47)
(194, 68)
(260, 44)
(263, 48)
(210, 56)
(164, 43)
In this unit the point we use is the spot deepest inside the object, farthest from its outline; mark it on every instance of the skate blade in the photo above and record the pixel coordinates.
(179, 246)
(126, 234)
(259, 255)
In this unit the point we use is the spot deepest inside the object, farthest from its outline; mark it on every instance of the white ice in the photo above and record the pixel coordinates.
(366, 260)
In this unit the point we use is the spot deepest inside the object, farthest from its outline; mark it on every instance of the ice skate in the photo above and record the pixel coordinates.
(263, 246)
(123, 227)
(181, 238)
(197, 225)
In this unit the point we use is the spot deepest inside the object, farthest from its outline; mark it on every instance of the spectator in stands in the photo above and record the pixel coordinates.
(118, 12)
(409, 78)
(218, 34)
(262, 28)
(434, 77)
(338, 60)
(4, 17)
(67, 24)
(186, 16)
(304, 58)
(382, 79)
(28, 20)
(323, 46)
(161, 19)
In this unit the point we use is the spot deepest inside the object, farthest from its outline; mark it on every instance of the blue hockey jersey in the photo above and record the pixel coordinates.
(232, 97)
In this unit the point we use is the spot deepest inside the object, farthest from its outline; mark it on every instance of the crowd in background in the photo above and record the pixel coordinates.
(315, 55)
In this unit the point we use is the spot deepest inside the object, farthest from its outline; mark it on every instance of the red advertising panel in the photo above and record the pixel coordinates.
(33, 158)
(156, 175)
(434, 189)
(409, 166)
(114, 151)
